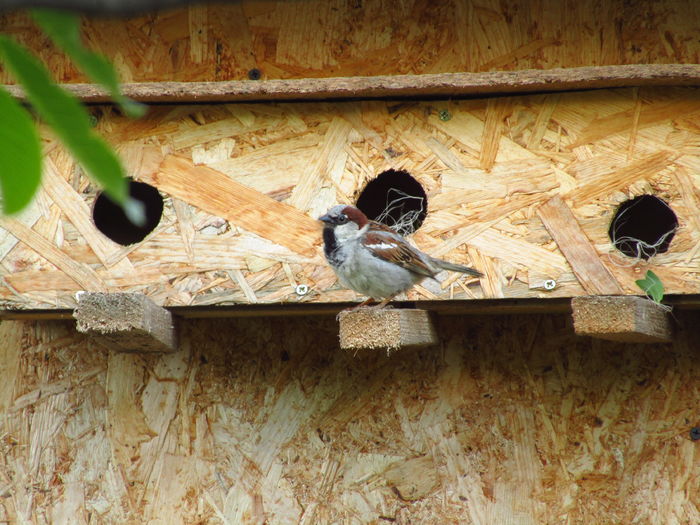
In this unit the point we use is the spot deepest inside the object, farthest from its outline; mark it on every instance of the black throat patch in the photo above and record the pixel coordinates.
(330, 246)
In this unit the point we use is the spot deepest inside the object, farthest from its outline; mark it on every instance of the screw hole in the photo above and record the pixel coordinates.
(255, 74)
(396, 199)
(112, 222)
(643, 227)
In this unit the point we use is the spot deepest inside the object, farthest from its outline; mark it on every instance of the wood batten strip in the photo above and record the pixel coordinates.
(438, 84)
(561, 223)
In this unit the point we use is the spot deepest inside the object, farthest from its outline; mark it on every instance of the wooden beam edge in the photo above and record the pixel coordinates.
(388, 86)
(509, 306)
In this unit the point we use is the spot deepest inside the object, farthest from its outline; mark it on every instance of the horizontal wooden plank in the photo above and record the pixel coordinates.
(244, 229)
(440, 307)
(424, 85)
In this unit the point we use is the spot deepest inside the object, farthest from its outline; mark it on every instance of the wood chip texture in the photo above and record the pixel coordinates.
(509, 419)
(243, 185)
(331, 38)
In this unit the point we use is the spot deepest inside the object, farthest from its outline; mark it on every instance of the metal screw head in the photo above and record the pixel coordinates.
(444, 115)
(695, 433)
(302, 289)
(254, 74)
(549, 284)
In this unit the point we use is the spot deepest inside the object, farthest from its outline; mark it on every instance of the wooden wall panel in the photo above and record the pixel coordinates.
(243, 184)
(509, 420)
(319, 38)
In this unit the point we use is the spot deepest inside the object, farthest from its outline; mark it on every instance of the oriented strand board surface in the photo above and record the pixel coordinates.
(328, 38)
(244, 183)
(511, 420)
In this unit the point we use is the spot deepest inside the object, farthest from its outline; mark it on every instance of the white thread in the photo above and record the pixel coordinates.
(641, 247)
(404, 225)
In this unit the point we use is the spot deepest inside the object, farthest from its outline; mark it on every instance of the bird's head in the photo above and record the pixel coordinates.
(342, 214)
(345, 221)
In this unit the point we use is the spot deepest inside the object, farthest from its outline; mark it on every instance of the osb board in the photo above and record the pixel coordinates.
(244, 183)
(321, 38)
(508, 420)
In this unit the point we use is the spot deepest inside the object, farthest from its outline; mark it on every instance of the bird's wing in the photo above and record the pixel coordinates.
(385, 243)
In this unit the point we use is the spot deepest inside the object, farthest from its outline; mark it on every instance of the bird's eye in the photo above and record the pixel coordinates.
(343, 219)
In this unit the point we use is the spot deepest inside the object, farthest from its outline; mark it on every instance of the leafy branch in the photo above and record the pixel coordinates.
(20, 148)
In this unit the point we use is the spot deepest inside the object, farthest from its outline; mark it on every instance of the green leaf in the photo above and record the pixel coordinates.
(64, 30)
(652, 286)
(20, 155)
(67, 117)
(135, 211)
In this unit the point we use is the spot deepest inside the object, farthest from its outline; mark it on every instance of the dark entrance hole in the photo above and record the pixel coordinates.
(111, 220)
(643, 227)
(396, 199)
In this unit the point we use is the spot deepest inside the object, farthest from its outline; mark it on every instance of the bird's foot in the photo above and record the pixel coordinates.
(366, 305)
(363, 304)
(383, 304)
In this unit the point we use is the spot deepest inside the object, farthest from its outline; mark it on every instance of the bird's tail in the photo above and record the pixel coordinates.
(456, 267)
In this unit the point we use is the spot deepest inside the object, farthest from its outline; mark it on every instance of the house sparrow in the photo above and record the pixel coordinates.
(373, 259)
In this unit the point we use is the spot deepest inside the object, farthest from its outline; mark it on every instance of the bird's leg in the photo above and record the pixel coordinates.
(384, 302)
(361, 305)
(356, 307)
(367, 301)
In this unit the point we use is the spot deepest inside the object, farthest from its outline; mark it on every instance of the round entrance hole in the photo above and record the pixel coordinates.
(111, 220)
(643, 227)
(396, 199)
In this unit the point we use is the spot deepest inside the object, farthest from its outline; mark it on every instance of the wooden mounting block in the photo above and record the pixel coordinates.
(385, 329)
(126, 322)
(629, 319)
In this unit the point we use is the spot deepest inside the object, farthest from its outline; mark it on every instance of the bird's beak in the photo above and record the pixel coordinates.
(325, 218)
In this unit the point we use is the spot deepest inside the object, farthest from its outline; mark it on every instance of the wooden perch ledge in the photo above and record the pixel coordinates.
(439, 84)
(628, 319)
(126, 322)
(386, 329)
